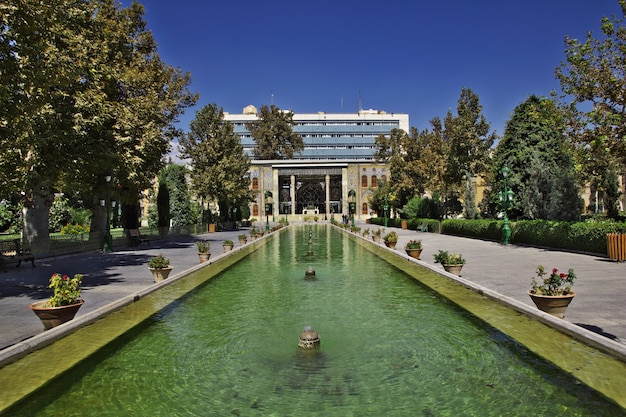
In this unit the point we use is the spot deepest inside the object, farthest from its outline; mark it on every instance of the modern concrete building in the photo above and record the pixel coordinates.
(337, 166)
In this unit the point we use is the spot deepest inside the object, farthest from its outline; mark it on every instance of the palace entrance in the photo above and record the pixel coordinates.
(309, 191)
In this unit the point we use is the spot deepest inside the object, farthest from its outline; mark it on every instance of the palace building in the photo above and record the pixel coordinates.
(336, 169)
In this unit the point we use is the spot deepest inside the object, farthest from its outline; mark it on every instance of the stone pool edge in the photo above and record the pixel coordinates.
(611, 388)
(10, 357)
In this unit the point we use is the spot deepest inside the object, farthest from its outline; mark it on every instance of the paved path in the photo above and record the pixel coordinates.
(599, 305)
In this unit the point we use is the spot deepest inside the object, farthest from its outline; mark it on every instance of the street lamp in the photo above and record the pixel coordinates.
(506, 197)
(352, 204)
(268, 208)
(108, 239)
(386, 210)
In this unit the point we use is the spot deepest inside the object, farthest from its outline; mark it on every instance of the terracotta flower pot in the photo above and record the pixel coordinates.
(228, 248)
(376, 238)
(391, 245)
(53, 316)
(454, 269)
(414, 253)
(161, 274)
(552, 304)
(204, 256)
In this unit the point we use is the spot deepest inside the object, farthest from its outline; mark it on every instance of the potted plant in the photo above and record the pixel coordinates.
(366, 233)
(376, 234)
(451, 262)
(555, 293)
(204, 250)
(160, 267)
(243, 239)
(64, 303)
(413, 248)
(253, 233)
(391, 239)
(228, 245)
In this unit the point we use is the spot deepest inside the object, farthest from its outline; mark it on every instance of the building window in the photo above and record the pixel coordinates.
(255, 183)
(364, 209)
(255, 209)
(364, 181)
(374, 181)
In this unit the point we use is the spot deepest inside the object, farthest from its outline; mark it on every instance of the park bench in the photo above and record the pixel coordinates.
(136, 238)
(423, 227)
(11, 251)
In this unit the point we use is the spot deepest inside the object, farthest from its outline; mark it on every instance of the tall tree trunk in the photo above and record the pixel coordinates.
(98, 222)
(36, 210)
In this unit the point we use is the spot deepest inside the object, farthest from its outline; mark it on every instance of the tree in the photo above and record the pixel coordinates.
(468, 143)
(274, 135)
(397, 150)
(219, 164)
(179, 200)
(83, 95)
(163, 203)
(431, 163)
(592, 79)
(535, 149)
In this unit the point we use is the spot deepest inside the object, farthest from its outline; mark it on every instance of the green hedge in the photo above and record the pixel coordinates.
(433, 224)
(587, 236)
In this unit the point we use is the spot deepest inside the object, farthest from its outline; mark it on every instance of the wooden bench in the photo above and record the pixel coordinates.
(423, 227)
(136, 238)
(11, 251)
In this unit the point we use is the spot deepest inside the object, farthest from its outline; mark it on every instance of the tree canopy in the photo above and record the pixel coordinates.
(219, 165)
(594, 83)
(83, 94)
(274, 135)
(535, 149)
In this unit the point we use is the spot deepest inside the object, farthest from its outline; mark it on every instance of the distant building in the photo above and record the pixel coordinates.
(337, 164)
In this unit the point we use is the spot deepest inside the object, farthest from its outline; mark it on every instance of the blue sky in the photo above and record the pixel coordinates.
(404, 56)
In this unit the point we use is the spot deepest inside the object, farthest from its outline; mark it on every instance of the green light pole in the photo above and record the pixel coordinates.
(505, 196)
(108, 239)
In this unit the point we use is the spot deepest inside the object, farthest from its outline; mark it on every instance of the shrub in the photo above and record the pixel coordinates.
(445, 258)
(74, 229)
(159, 262)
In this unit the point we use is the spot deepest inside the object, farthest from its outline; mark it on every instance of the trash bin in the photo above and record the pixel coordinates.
(616, 246)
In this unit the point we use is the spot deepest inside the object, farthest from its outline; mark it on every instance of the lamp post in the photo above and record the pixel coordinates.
(352, 204)
(268, 208)
(386, 210)
(108, 239)
(505, 196)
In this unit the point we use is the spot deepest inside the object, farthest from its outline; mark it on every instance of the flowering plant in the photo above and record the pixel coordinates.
(203, 246)
(445, 258)
(555, 284)
(158, 262)
(413, 244)
(391, 237)
(66, 289)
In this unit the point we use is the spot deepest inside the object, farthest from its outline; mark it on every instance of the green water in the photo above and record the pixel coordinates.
(389, 347)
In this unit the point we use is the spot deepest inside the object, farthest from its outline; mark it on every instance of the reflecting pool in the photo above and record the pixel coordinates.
(389, 347)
